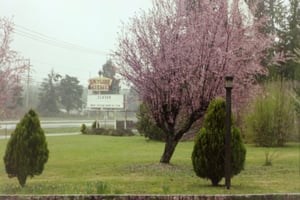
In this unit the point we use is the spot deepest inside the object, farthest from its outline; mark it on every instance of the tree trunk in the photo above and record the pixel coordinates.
(170, 145)
(22, 179)
(215, 181)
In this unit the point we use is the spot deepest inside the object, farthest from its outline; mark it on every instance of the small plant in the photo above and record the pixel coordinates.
(146, 126)
(166, 189)
(209, 152)
(89, 188)
(102, 188)
(118, 191)
(269, 157)
(95, 124)
(83, 129)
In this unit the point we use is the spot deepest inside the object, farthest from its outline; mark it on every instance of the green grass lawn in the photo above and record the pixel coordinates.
(103, 164)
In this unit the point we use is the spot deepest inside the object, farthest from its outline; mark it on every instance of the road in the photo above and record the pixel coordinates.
(47, 135)
(9, 125)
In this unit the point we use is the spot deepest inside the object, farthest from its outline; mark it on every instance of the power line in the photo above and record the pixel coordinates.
(52, 65)
(27, 85)
(40, 37)
(56, 43)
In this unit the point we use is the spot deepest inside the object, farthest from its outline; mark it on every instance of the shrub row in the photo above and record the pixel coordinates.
(103, 131)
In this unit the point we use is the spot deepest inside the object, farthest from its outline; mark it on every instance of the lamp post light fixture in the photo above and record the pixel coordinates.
(228, 87)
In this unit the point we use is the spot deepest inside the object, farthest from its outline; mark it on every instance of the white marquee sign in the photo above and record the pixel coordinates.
(105, 101)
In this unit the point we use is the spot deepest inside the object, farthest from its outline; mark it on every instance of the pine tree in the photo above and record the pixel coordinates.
(292, 40)
(276, 12)
(70, 93)
(109, 71)
(283, 23)
(48, 95)
(26, 152)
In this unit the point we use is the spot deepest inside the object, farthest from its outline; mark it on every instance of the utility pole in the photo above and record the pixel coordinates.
(27, 84)
(26, 63)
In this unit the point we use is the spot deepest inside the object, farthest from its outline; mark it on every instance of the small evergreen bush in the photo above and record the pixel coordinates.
(209, 152)
(83, 129)
(26, 151)
(95, 124)
(146, 126)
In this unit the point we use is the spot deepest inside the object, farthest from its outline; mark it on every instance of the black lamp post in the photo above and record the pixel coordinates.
(228, 87)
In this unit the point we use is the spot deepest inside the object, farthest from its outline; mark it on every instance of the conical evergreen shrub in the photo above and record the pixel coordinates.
(208, 155)
(26, 152)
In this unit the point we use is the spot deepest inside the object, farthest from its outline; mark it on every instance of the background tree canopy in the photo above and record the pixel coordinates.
(109, 71)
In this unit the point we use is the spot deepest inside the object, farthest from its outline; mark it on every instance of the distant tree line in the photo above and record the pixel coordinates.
(57, 92)
(283, 23)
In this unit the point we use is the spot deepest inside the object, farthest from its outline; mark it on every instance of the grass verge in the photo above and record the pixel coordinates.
(115, 165)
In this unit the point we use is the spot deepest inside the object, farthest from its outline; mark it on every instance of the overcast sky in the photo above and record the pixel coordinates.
(73, 37)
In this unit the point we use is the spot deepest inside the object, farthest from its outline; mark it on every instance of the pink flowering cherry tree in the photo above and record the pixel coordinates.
(177, 54)
(11, 69)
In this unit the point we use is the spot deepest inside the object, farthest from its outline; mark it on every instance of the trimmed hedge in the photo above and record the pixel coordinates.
(112, 132)
(104, 131)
